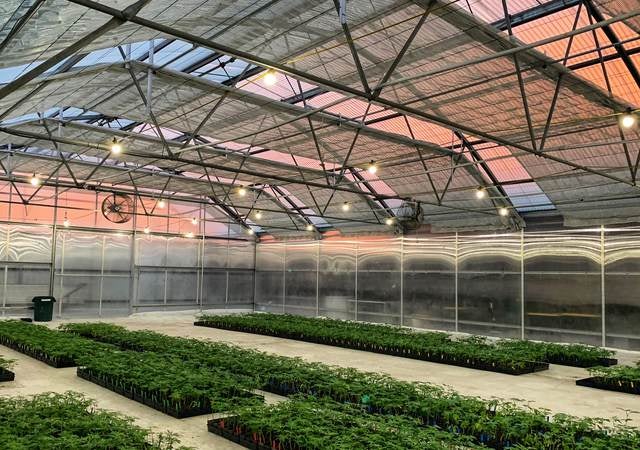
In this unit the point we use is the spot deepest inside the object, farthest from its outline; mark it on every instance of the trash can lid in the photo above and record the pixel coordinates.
(43, 298)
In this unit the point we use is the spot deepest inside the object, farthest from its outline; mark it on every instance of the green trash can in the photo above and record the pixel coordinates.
(43, 308)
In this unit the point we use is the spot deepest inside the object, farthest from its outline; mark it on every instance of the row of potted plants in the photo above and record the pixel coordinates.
(71, 421)
(621, 378)
(161, 381)
(167, 383)
(494, 424)
(5, 369)
(507, 356)
(47, 345)
(307, 423)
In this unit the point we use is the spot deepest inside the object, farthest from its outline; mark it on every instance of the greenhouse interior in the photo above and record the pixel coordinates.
(319, 225)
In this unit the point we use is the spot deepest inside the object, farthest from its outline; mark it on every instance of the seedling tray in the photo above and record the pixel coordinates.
(529, 367)
(243, 439)
(6, 375)
(144, 397)
(606, 362)
(53, 361)
(627, 387)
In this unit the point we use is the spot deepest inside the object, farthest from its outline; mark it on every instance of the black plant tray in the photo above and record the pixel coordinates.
(530, 366)
(610, 385)
(53, 361)
(606, 362)
(6, 375)
(242, 439)
(145, 399)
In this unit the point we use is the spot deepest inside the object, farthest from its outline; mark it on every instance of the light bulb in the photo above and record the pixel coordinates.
(389, 221)
(66, 223)
(242, 191)
(372, 168)
(146, 230)
(503, 211)
(194, 221)
(116, 147)
(481, 193)
(628, 121)
(258, 215)
(309, 227)
(35, 180)
(189, 234)
(346, 206)
(270, 77)
(249, 231)
(161, 204)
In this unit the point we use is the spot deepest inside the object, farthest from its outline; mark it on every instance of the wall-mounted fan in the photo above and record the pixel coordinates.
(117, 208)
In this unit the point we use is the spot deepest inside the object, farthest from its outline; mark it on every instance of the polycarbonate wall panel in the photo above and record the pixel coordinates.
(151, 287)
(25, 252)
(429, 282)
(23, 282)
(116, 295)
(183, 252)
(214, 289)
(92, 273)
(26, 243)
(182, 288)
(117, 254)
(151, 251)
(269, 291)
(216, 253)
(301, 277)
(269, 286)
(379, 281)
(100, 273)
(622, 296)
(563, 289)
(241, 255)
(79, 251)
(241, 289)
(489, 284)
(191, 273)
(550, 286)
(337, 279)
(78, 295)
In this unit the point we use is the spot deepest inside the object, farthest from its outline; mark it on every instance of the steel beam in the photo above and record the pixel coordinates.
(615, 40)
(117, 20)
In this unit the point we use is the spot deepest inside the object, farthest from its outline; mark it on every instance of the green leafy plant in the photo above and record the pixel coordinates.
(510, 356)
(624, 372)
(494, 424)
(168, 383)
(71, 421)
(50, 346)
(319, 424)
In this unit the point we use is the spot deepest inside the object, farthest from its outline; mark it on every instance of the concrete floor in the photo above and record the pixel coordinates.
(554, 389)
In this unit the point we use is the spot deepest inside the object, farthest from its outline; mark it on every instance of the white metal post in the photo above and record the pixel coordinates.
(104, 239)
(54, 241)
(133, 287)
(318, 278)
(522, 284)
(401, 281)
(602, 286)
(356, 285)
(284, 277)
(456, 282)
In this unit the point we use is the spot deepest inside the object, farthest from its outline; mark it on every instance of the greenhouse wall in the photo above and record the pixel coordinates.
(178, 256)
(567, 286)
(106, 273)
